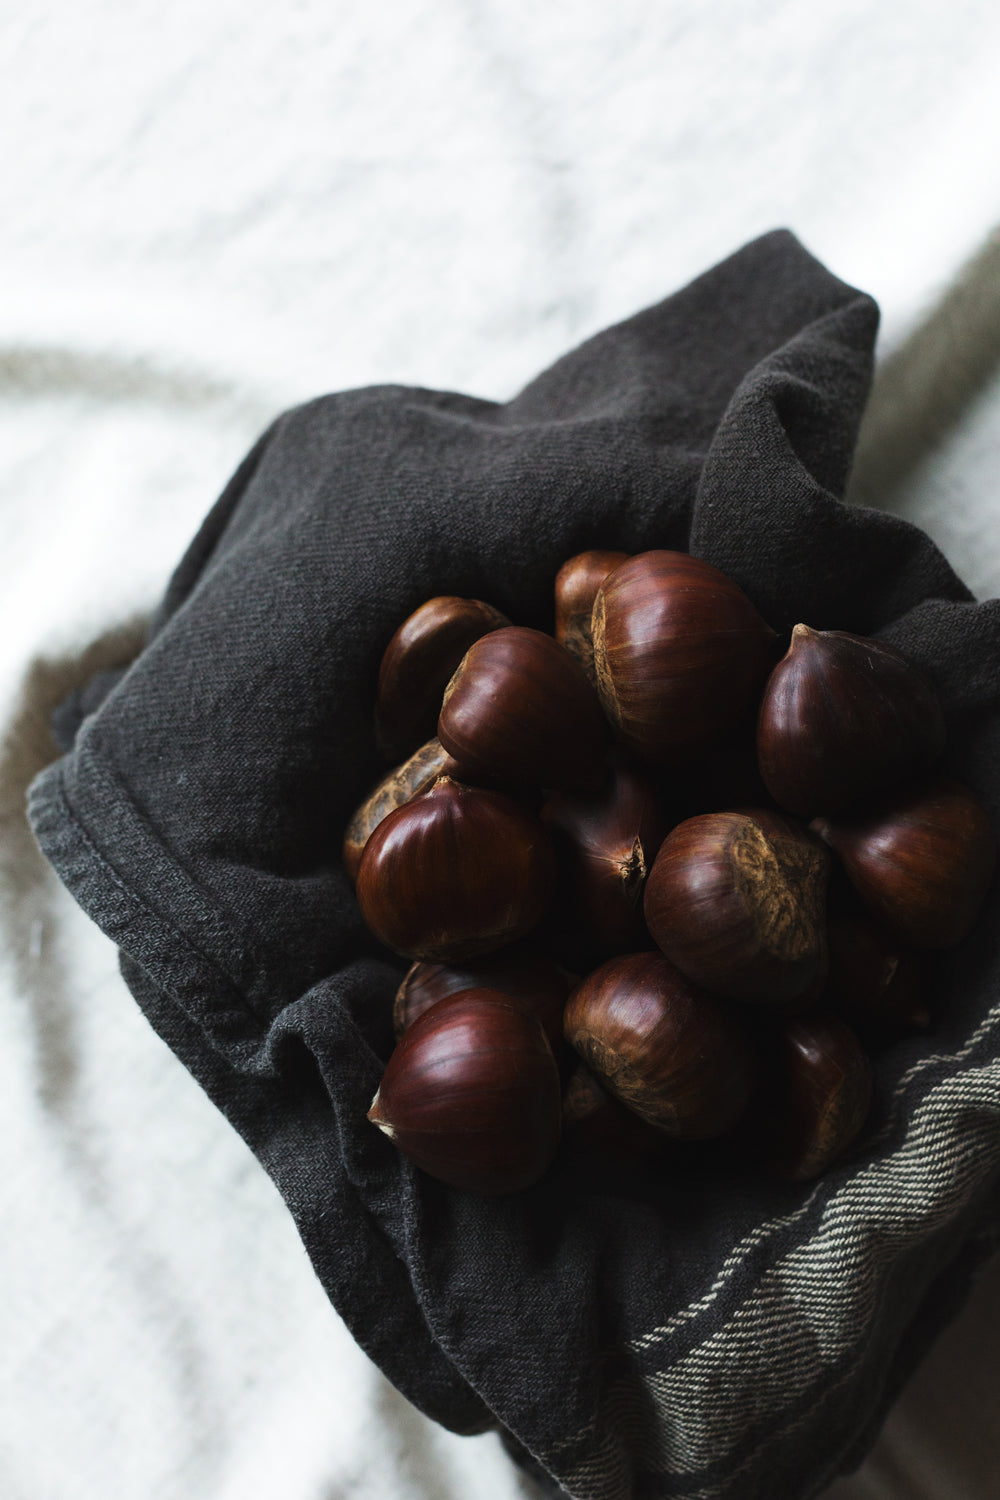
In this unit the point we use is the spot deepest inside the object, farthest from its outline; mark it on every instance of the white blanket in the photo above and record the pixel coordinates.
(211, 211)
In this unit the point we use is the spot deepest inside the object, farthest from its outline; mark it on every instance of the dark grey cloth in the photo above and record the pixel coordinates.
(694, 1333)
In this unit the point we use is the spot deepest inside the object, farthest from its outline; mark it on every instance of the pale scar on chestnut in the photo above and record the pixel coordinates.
(781, 884)
(453, 681)
(605, 682)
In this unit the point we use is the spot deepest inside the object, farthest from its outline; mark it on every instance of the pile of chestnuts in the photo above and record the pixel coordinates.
(662, 881)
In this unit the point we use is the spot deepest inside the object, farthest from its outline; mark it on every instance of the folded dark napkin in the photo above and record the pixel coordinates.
(692, 1333)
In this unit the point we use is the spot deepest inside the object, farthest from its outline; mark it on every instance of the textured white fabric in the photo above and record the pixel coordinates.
(211, 211)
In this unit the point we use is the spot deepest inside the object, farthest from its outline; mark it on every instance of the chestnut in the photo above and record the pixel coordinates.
(455, 872)
(408, 780)
(875, 983)
(577, 583)
(841, 718)
(418, 663)
(605, 844)
(679, 1058)
(530, 978)
(921, 863)
(471, 1094)
(520, 709)
(679, 652)
(736, 901)
(596, 1123)
(813, 1099)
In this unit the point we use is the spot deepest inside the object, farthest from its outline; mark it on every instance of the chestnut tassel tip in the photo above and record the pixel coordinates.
(377, 1118)
(632, 872)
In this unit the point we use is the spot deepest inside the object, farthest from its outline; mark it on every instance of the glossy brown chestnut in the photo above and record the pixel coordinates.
(736, 901)
(520, 709)
(815, 1096)
(471, 1094)
(680, 1059)
(577, 583)
(408, 780)
(595, 1122)
(875, 983)
(605, 844)
(418, 664)
(455, 872)
(679, 652)
(922, 863)
(530, 978)
(843, 717)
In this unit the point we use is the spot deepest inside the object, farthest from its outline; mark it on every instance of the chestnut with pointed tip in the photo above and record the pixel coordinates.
(455, 872)
(679, 652)
(843, 717)
(417, 666)
(677, 1057)
(577, 583)
(606, 843)
(922, 863)
(519, 708)
(408, 780)
(471, 1094)
(530, 978)
(736, 901)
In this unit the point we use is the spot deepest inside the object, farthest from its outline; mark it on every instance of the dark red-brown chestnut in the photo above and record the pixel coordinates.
(921, 863)
(736, 901)
(598, 1124)
(520, 709)
(418, 663)
(813, 1098)
(605, 844)
(530, 978)
(577, 583)
(408, 780)
(455, 872)
(471, 1094)
(677, 1057)
(875, 983)
(841, 718)
(679, 652)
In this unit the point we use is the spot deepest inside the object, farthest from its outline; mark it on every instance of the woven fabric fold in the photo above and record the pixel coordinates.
(700, 1334)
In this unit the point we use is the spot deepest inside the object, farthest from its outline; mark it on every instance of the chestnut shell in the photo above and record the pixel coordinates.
(736, 901)
(471, 1094)
(600, 1126)
(679, 651)
(677, 1057)
(814, 1097)
(606, 842)
(414, 776)
(456, 872)
(841, 718)
(875, 983)
(577, 583)
(922, 863)
(418, 663)
(530, 978)
(520, 709)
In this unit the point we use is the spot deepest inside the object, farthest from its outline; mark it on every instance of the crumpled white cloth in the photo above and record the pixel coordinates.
(213, 210)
